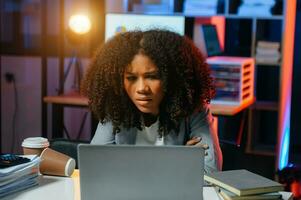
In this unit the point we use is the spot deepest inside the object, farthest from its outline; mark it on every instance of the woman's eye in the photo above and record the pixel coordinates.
(154, 77)
(131, 78)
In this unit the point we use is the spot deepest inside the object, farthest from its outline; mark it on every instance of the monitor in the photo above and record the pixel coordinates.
(116, 23)
(206, 38)
(211, 40)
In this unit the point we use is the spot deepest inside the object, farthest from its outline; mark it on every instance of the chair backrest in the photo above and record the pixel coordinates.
(68, 147)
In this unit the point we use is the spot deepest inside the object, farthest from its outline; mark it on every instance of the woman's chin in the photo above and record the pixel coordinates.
(147, 110)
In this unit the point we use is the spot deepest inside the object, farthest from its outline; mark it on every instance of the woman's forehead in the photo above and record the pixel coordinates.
(141, 62)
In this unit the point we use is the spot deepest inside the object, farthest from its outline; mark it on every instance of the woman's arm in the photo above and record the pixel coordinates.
(104, 134)
(202, 126)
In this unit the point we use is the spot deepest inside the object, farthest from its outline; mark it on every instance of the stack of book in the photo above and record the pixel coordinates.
(153, 7)
(19, 177)
(243, 184)
(268, 52)
(197, 7)
(256, 8)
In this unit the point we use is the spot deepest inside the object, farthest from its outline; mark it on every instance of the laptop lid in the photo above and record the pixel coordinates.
(141, 172)
(206, 39)
(211, 40)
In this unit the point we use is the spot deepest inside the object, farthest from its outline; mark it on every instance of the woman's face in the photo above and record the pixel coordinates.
(143, 84)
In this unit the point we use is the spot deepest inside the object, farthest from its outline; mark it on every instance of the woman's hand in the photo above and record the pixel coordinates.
(196, 141)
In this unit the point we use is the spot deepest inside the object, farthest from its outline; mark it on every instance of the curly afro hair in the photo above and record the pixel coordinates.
(187, 84)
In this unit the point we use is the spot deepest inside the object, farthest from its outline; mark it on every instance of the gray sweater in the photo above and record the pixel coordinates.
(201, 125)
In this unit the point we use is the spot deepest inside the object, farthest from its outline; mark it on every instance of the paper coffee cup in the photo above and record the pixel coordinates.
(34, 145)
(56, 163)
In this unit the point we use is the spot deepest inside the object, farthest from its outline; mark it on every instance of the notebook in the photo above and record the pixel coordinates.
(243, 182)
(120, 172)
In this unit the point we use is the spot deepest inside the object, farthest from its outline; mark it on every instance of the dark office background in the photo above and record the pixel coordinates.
(238, 158)
(295, 147)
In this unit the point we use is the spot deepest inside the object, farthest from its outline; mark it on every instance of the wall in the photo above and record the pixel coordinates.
(26, 105)
(73, 117)
(28, 120)
(26, 15)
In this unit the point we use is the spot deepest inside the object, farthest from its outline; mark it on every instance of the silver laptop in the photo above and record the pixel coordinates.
(123, 172)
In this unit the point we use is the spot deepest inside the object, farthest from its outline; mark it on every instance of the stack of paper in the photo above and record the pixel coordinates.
(197, 7)
(256, 8)
(268, 52)
(242, 184)
(19, 177)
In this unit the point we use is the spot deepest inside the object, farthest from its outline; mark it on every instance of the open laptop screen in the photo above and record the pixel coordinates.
(211, 40)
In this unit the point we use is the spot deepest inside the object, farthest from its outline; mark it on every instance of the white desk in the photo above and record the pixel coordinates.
(60, 188)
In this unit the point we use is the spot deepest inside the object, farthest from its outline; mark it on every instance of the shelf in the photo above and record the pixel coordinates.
(273, 17)
(202, 16)
(67, 99)
(230, 109)
(151, 13)
(261, 151)
(230, 16)
(268, 64)
(265, 105)
(77, 100)
(58, 105)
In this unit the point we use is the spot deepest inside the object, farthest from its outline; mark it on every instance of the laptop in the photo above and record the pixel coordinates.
(206, 39)
(121, 172)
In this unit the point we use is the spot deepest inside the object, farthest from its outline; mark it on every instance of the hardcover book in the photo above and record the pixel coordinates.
(266, 196)
(242, 182)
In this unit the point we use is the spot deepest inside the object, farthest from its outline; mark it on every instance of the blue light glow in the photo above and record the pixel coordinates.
(284, 151)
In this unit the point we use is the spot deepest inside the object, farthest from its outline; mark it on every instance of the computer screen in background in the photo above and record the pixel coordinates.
(116, 23)
(206, 39)
(211, 40)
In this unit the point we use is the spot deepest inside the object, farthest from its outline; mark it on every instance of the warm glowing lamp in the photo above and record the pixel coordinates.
(80, 24)
(78, 29)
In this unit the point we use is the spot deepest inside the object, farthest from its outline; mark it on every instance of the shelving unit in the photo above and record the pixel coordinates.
(233, 79)
(269, 116)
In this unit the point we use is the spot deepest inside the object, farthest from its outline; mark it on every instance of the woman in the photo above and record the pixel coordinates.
(152, 88)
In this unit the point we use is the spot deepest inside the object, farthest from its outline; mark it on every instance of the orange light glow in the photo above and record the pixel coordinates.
(80, 24)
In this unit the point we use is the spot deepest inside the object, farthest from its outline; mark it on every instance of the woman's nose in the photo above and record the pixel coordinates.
(142, 86)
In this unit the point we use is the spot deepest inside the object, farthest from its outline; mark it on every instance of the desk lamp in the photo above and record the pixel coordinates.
(78, 29)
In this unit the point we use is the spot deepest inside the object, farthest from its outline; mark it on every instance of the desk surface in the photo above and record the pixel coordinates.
(230, 109)
(77, 100)
(49, 188)
(64, 188)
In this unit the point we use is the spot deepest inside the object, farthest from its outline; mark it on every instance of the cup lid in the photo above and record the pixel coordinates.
(69, 167)
(35, 142)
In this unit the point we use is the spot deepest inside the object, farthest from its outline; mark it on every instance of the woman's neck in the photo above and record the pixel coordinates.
(149, 119)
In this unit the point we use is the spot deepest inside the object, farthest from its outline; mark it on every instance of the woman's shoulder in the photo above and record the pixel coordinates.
(104, 134)
(106, 127)
(202, 114)
(105, 124)
(202, 111)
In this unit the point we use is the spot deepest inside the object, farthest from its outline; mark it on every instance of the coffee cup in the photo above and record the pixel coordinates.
(34, 145)
(56, 163)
